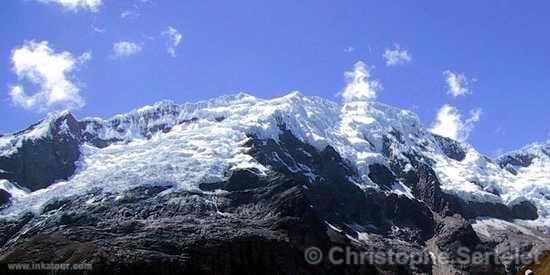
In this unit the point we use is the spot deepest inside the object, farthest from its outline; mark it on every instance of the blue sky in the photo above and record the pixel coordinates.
(495, 50)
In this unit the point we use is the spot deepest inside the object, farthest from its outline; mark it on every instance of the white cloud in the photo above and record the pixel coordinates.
(41, 65)
(396, 56)
(457, 83)
(449, 123)
(359, 86)
(129, 14)
(85, 57)
(174, 39)
(75, 5)
(97, 29)
(125, 48)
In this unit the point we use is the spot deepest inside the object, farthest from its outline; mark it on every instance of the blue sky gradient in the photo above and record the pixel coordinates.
(269, 49)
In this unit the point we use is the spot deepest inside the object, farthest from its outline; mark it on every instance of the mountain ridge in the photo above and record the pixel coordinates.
(293, 172)
(379, 121)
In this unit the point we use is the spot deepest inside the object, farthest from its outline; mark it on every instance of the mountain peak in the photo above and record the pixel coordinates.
(337, 158)
(194, 142)
(44, 128)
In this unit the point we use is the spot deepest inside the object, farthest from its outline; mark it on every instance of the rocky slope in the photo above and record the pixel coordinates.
(241, 185)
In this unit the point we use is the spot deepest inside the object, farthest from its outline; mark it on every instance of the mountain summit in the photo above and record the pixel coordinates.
(179, 186)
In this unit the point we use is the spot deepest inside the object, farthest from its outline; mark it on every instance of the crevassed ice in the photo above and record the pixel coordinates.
(186, 156)
(211, 142)
(476, 174)
(207, 142)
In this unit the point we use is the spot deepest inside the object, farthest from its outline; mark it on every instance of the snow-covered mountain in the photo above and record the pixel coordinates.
(384, 150)
(200, 142)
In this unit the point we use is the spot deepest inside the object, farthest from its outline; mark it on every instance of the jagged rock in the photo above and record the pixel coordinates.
(408, 213)
(451, 148)
(381, 175)
(242, 180)
(426, 186)
(518, 159)
(525, 210)
(89, 130)
(10, 229)
(472, 209)
(40, 162)
(266, 230)
(458, 243)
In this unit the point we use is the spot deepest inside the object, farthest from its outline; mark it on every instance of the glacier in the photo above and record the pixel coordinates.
(205, 141)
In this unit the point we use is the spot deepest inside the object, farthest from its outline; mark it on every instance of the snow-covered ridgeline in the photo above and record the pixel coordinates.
(133, 125)
(532, 181)
(477, 178)
(206, 140)
(10, 143)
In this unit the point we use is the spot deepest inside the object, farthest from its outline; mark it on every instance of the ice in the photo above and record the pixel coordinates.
(207, 140)
(10, 144)
(15, 191)
(477, 178)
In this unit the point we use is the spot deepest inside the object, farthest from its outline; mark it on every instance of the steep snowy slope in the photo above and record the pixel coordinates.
(529, 174)
(185, 145)
(9, 144)
(249, 176)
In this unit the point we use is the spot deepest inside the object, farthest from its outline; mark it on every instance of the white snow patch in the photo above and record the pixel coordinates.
(15, 191)
(333, 227)
(402, 190)
(477, 178)
(10, 144)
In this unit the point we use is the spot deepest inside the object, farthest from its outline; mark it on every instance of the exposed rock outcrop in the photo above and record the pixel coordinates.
(44, 160)
(451, 148)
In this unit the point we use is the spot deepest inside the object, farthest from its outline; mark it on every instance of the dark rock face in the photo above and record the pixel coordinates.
(519, 159)
(450, 148)
(290, 156)
(456, 238)
(242, 180)
(336, 199)
(245, 231)
(411, 215)
(426, 186)
(39, 163)
(470, 209)
(4, 198)
(381, 175)
(525, 210)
